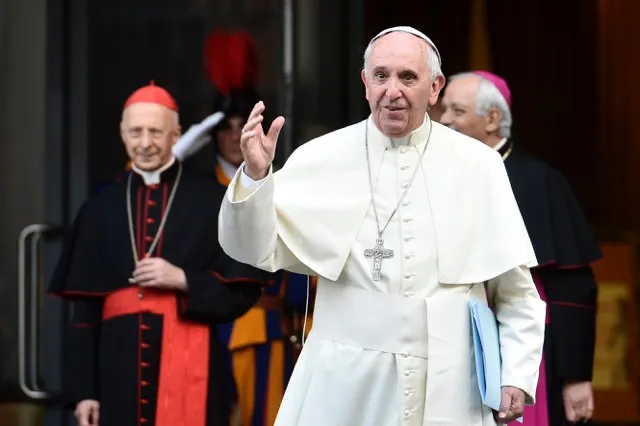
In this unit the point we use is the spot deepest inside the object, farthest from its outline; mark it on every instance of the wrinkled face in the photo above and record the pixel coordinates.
(149, 132)
(460, 110)
(228, 139)
(398, 83)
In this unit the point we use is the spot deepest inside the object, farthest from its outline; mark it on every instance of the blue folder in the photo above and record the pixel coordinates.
(486, 345)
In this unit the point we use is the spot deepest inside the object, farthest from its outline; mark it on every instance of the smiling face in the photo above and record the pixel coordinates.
(398, 83)
(149, 132)
(460, 108)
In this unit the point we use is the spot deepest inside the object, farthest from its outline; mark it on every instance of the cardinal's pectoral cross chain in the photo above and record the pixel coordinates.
(378, 253)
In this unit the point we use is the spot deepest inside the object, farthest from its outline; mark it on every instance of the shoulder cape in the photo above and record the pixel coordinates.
(559, 231)
(83, 270)
(321, 197)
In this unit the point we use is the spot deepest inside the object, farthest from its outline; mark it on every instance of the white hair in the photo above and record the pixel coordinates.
(433, 60)
(175, 117)
(487, 98)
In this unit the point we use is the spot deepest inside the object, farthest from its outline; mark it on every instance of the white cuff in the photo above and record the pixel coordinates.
(249, 183)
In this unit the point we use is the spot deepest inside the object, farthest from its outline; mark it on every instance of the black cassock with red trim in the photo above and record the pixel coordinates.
(565, 248)
(151, 357)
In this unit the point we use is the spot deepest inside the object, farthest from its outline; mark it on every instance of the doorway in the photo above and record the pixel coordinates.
(67, 69)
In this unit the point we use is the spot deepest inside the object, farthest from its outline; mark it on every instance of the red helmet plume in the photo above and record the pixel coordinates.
(230, 60)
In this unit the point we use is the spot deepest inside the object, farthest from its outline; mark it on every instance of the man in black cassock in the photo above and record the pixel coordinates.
(478, 104)
(149, 283)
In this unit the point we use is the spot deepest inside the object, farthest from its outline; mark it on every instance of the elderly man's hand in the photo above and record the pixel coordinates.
(159, 273)
(88, 413)
(511, 405)
(578, 401)
(259, 149)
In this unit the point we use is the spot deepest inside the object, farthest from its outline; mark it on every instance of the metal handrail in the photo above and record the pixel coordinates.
(29, 387)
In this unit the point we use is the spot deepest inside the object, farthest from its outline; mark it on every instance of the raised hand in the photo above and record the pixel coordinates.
(259, 149)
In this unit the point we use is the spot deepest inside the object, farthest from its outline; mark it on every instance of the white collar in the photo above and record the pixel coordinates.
(152, 177)
(500, 144)
(414, 138)
(228, 169)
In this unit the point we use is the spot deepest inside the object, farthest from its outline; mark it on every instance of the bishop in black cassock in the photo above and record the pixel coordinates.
(479, 105)
(149, 283)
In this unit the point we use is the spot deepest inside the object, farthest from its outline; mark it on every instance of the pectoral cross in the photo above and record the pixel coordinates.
(378, 253)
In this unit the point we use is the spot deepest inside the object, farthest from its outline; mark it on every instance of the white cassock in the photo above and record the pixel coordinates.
(396, 351)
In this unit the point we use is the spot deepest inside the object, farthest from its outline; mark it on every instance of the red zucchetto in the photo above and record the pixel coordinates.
(154, 95)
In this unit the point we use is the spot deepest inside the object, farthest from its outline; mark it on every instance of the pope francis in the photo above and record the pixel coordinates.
(403, 221)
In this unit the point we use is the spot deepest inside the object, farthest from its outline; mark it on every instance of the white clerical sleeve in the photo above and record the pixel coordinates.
(248, 226)
(521, 322)
(248, 183)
